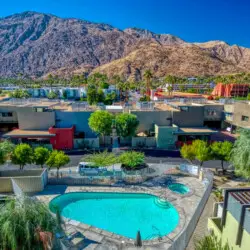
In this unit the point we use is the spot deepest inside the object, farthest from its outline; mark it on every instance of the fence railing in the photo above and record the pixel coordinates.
(182, 240)
(101, 178)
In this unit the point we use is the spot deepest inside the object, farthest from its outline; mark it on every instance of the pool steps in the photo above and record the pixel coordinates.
(163, 203)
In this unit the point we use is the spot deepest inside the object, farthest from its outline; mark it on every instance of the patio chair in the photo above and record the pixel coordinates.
(73, 241)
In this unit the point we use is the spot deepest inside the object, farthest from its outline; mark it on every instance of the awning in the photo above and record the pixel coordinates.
(19, 133)
(195, 131)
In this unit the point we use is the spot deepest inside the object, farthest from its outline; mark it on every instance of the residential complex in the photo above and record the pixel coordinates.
(167, 125)
(233, 224)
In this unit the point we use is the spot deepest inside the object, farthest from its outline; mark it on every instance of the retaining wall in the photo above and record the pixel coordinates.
(29, 181)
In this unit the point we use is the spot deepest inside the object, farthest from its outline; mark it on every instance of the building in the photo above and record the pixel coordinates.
(232, 225)
(236, 116)
(64, 124)
(231, 90)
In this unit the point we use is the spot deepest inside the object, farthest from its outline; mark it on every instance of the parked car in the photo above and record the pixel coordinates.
(88, 168)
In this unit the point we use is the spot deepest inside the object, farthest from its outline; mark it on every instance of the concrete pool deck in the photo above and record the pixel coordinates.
(101, 239)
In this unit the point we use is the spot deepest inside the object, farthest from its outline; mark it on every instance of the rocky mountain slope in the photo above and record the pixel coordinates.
(182, 60)
(36, 44)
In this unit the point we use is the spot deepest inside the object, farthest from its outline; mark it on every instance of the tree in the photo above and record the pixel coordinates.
(187, 152)
(132, 159)
(171, 80)
(104, 85)
(64, 94)
(97, 79)
(23, 217)
(148, 77)
(241, 154)
(144, 98)
(210, 242)
(101, 122)
(170, 89)
(110, 98)
(2, 157)
(7, 147)
(222, 151)
(126, 124)
(52, 95)
(57, 159)
(92, 95)
(22, 155)
(103, 159)
(41, 155)
(201, 150)
(19, 93)
(100, 95)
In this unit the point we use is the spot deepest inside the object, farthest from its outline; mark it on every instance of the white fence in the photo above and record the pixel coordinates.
(191, 169)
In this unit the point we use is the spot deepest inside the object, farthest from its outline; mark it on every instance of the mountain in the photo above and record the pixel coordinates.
(37, 44)
(182, 60)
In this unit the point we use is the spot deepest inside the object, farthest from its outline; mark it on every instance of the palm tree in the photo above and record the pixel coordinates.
(170, 79)
(120, 87)
(148, 77)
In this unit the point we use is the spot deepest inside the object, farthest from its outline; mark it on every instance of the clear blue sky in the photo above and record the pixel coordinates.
(192, 20)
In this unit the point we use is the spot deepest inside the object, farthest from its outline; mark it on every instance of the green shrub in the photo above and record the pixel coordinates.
(20, 219)
(132, 159)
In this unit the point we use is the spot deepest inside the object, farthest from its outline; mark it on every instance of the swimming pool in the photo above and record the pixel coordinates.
(119, 213)
(179, 188)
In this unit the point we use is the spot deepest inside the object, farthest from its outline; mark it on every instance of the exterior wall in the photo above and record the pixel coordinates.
(228, 112)
(229, 234)
(8, 119)
(79, 119)
(148, 119)
(214, 225)
(241, 109)
(86, 143)
(27, 180)
(28, 119)
(165, 137)
(143, 142)
(64, 138)
(213, 112)
(6, 185)
(194, 117)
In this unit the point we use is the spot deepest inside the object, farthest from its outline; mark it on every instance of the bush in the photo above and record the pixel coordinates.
(20, 220)
(145, 99)
(132, 160)
(103, 159)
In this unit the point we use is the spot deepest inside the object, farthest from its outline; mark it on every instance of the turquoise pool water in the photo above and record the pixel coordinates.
(179, 188)
(119, 213)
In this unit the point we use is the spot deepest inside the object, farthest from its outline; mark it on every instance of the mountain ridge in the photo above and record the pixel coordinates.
(37, 44)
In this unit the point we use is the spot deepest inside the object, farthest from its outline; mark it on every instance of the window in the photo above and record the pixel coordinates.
(7, 114)
(245, 118)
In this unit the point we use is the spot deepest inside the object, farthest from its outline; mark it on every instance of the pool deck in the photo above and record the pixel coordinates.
(101, 239)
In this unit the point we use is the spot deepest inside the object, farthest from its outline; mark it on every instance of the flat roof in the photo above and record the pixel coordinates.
(28, 133)
(114, 107)
(183, 131)
(165, 107)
